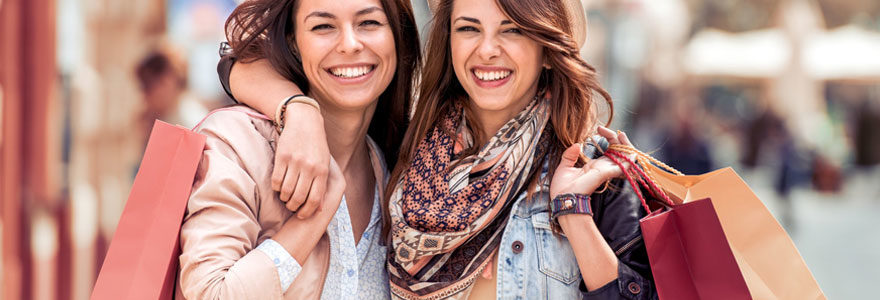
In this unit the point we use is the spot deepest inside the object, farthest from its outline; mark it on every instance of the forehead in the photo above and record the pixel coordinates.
(334, 7)
(484, 10)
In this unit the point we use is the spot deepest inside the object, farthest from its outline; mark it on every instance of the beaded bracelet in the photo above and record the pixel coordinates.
(282, 108)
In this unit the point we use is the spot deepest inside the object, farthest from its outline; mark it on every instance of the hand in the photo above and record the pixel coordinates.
(332, 197)
(300, 235)
(302, 160)
(595, 172)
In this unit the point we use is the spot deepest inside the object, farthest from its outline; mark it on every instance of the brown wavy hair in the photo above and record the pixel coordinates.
(571, 81)
(259, 29)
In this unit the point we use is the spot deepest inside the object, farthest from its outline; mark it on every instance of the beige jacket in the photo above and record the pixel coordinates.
(231, 210)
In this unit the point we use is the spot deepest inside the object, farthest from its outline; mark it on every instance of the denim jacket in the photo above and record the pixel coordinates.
(535, 263)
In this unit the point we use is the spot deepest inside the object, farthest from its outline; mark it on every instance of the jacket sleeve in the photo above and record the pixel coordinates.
(224, 68)
(617, 212)
(220, 230)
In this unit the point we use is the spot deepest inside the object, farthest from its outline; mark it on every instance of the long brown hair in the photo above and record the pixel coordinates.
(265, 29)
(570, 80)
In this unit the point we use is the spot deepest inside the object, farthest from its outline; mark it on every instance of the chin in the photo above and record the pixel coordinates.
(354, 100)
(491, 102)
(490, 106)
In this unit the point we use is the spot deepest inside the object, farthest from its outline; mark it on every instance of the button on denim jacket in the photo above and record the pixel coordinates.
(535, 263)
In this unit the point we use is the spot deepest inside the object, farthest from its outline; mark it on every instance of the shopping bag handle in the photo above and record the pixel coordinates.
(643, 159)
(636, 171)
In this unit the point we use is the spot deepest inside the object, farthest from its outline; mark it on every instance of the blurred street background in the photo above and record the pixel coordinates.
(787, 92)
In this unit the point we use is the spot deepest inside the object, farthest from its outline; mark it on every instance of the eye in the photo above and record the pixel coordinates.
(466, 29)
(322, 27)
(371, 23)
(513, 30)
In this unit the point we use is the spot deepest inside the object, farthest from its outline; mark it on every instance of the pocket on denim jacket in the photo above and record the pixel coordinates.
(555, 257)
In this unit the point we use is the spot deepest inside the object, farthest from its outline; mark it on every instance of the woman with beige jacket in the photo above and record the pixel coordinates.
(242, 240)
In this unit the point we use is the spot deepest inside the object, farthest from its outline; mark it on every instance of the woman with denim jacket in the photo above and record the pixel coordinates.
(504, 95)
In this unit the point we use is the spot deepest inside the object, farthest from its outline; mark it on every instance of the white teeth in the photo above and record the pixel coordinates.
(492, 76)
(351, 72)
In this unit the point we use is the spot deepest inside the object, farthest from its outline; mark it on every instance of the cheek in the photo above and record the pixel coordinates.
(309, 50)
(389, 50)
(382, 44)
(530, 60)
(459, 52)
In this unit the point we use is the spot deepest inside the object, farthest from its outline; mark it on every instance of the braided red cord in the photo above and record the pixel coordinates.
(630, 179)
(646, 178)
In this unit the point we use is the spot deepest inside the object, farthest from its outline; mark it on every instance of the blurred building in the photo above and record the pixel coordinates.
(71, 109)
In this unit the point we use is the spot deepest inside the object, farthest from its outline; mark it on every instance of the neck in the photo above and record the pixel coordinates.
(346, 132)
(492, 120)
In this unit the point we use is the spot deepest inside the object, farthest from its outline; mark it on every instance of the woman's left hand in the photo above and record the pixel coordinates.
(595, 172)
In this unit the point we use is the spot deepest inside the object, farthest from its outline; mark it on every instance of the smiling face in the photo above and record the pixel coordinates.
(497, 64)
(347, 51)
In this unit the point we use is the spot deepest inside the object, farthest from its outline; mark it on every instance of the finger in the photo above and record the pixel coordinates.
(613, 171)
(301, 192)
(278, 172)
(608, 134)
(589, 180)
(316, 195)
(319, 188)
(310, 203)
(292, 206)
(570, 156)
(589, 163)
(624, 139)
(288, 185)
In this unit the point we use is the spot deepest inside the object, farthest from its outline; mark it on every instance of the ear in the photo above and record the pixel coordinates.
(544, 63)
(291, 43)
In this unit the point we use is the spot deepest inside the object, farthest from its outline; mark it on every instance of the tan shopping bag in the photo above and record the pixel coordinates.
(771, 265)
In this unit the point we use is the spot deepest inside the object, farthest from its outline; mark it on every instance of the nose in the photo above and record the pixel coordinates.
(489, 47)
(349, 42)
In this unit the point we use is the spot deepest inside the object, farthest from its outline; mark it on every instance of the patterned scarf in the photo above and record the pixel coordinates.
(445, 224)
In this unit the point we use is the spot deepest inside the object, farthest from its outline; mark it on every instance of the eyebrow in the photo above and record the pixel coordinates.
(473, 20)
(368, 10)
(467, 19)
(320, 14)
(324, 14)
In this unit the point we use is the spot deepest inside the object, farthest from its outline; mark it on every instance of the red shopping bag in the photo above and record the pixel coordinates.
(143, 256)
(688, 251)
(689, 254)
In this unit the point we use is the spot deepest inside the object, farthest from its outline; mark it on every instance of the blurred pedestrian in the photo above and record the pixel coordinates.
(162, 77)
